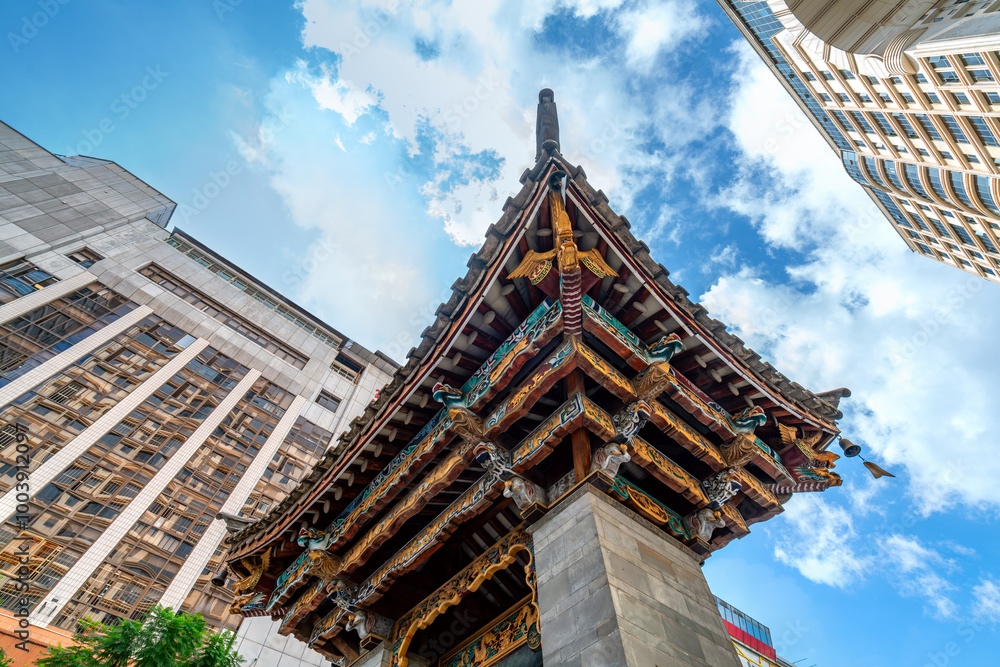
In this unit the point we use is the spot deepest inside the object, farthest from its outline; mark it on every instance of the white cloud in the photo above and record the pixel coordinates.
(920, 571)
(817, 539)
(858, 309)
(464, 113)
(986, 600)
(656, 27)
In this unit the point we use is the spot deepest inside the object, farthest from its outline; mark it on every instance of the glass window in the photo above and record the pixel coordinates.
(883, 123)
(224, 315)
(992, 98)
(958, 185)
(983, 189)
(982, 129)
(860, 119)
(971, 59)
(934, 175)
(809, 76)
(961, 98)
(934, 99)
(19, 277)
(85, 257)
(907, 98)
(328, 401)
(827, 75)
(913, 176)
(937, 62)
(921, 78)
(980, 75)
(948, 76)
(40, 334)
(890, 170)
(847, 74)
(928, 126)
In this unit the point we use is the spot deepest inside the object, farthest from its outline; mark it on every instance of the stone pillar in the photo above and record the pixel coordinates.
(615, 590)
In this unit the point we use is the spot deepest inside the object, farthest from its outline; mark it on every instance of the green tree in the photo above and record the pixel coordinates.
(4, 660)
(163, 639)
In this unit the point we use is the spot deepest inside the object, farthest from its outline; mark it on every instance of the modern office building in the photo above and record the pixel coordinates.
(908, 94)
(146, 385)
(751, 638)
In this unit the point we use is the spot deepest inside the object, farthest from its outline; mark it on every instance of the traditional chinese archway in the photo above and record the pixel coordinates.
(542, 479)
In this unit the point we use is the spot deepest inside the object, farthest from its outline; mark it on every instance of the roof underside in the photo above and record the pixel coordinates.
(486, 306)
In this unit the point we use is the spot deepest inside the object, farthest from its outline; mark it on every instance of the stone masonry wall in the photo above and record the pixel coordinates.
(615, 590)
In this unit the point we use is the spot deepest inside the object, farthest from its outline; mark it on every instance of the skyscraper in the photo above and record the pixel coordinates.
(146, 386)
(908, 94)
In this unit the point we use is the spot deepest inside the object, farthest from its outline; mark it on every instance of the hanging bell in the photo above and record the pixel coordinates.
(850, 449)
(221, 577)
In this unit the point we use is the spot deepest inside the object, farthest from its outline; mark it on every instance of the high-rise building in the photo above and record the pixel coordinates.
(569, 441)
(908, 94)
(147, 385)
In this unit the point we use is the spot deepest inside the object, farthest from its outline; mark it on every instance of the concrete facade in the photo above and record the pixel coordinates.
(53, 208)
(613, 590)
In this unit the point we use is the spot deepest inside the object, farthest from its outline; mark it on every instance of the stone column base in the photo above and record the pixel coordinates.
(615, 590)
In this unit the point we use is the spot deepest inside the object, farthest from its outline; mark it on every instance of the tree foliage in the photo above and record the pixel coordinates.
(163, 639)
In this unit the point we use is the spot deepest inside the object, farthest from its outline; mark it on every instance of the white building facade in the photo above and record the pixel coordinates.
(146, 385)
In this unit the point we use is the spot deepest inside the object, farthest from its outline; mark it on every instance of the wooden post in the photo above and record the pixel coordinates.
(580, 438)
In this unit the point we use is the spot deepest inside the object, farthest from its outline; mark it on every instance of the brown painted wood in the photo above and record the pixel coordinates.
(630, 313)
(613, 297)
(514, 297)
(345, 649)
(580, 438)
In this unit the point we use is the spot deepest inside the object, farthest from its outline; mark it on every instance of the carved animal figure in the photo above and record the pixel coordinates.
(610, 457)
(806, 445)
(664, 349)
(358, 621)
(749, 419)
(705, 521)
(536, 265)
(630, 420)
(313, 538)
(524, 493)
(721, 487)
(448, 395)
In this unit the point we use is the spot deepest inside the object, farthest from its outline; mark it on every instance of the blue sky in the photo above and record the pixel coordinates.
(353, 155)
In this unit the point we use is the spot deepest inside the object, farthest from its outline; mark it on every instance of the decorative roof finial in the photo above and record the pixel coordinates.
(546, 124)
